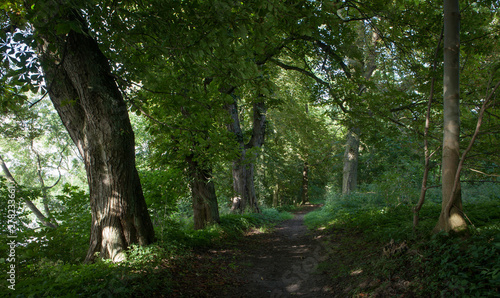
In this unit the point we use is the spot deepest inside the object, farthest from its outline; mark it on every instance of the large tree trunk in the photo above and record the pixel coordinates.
(451, 219)
(205, 206)
(93, 111)
(350, 172)
(243, 168)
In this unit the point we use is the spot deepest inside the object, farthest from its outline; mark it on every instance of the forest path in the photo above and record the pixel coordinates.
(280, 263)
(283, 263)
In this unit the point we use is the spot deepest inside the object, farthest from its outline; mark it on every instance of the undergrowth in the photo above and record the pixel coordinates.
(146, 271)
(440, 265)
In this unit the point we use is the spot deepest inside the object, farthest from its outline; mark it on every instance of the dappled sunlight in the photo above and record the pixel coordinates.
(356, 272)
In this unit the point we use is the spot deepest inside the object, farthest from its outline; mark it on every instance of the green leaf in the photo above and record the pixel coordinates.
(63, 28)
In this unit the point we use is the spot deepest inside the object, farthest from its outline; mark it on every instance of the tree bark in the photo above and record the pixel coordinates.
(350, 172)
(305, 174)
(276, 195)
(93, 111)
(305, 183)
(243, 168)
(452, 219)
(205, 206)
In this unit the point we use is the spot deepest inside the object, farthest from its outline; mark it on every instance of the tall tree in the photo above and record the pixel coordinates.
(366, 66)
(243, 167)
(451, 217)
(91, 107)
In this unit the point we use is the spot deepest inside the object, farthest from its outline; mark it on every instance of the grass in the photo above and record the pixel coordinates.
(147, 271)
(430, 265)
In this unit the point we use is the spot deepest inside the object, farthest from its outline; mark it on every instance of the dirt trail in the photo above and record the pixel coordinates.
(283, 263)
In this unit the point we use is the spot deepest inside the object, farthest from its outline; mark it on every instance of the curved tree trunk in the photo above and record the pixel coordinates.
(243, 167)
(451, 219)
(93, 111)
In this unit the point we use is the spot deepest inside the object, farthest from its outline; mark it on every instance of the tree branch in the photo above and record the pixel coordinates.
(462, 159)
(39, 215)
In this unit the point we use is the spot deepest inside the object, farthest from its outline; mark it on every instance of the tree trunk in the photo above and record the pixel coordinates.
(243, 167)
(45, 195)
(350, 172)
(205, 206)
(427, 155)
(39, 215)
(305, 183)
(276, 195)
(305, 174)
(93, 111)
(451, 219)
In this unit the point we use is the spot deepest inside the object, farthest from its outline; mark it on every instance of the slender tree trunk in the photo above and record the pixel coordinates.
(305, 183)
(39, 215)
(45, 195)
(93, 111)
(243, 167)
(305, 174)
(427, 155)
(350, 172)
(451, 219)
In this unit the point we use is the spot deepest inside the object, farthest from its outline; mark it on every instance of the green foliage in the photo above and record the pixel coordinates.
(458, 267)
(68, 242)
(139, 275)
(163, 189)
(179, 233)
(436, 265)
(144, 273)
(297, 132)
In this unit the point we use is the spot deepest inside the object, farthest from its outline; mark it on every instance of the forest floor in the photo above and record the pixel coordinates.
(286, 262)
